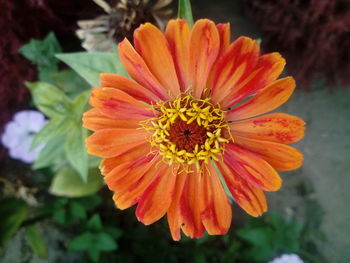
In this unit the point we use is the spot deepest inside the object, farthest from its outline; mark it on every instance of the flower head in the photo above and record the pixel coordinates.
(18, 135)
(287, 258)
(189, 114)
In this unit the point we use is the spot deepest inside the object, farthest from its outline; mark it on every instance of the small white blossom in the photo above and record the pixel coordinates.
(19, 132)
(287, 258)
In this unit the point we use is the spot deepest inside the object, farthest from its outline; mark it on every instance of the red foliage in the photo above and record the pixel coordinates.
(314, 36)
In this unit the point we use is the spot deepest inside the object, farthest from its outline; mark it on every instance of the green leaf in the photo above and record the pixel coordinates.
(69, 81)
(52, 152)
(82, 242)
(114, 232)
(76, 152)
(42, 54)
(105, 242)
(77, 210)
(94, 224)
(12, 213)
(67, 182)
(185, 11)
(57, 126)
(49, 99)
(89, 65)
(80, 104)
(35, 241)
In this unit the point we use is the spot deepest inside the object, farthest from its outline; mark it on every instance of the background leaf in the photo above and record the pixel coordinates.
(90, 65)
(67, 182)
(35, 241)
(12, 213)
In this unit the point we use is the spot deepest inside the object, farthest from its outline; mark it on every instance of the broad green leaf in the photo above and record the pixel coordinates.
(12, 213)
(52, 151)
(35, 241)
(105, 242)
(82, 242)
(57, 126)
(42, 54)
(77, 210)
(67, 182)
(80, 104)
(89, 65)
(94, 224)
(185, 11)
(49, 99)
(69, 81)
(76, 152)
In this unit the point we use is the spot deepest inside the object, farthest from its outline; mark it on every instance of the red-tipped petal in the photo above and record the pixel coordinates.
(204, 49)
(250, 198)
(280, 156)
(267, 99)
(153, 47)
(274, 127)
(109, 80)
(225, 36)
(251, 168)
(177, 33)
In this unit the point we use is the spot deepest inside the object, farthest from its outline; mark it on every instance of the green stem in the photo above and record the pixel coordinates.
(185, 11)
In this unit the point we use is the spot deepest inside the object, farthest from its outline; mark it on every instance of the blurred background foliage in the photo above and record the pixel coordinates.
(75, 220)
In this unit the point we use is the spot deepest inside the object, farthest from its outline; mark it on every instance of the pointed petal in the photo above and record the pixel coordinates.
(177, 33)
(250, 198)
(251, 168)
(109, 164)
(225, 36)
(280, 156)
(190, 206)
(216, 211)
(204, 49)
(267, 99)
(94, 120)
(274, 127)
(139, 71)
(233, 67)
(174, 215)
(131, 195)
(118, 105)
(128, 173)
(113, 142)
(156, 199)
(153, 47)
(109, 80)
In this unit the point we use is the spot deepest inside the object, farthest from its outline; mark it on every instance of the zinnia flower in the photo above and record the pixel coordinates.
(287, 258)
(19, 133)
(188, 117)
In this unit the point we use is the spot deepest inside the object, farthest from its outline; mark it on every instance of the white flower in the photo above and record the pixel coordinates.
(18, 135)
(287, 258)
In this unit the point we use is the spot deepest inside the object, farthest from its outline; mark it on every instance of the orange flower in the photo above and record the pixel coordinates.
(189, 114)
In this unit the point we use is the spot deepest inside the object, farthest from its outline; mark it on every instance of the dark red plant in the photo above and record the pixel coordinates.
(314, 36)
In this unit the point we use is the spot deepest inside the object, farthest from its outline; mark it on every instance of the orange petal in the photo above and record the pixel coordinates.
(251, 168)
(225, 36)
(177, 33)
(128, 173)
(267, 99)
(139, 71)
(250, 198)
(113, 142)
(275, 127)
(204, 49)
(153, 47)
(109, 164)
(156, 199)
(130, 196)
(280, 156)
(109, 80)
(94, 120)
(118, 105)
(174, 215)
(216, 211)
(234, 66)
(190, 206)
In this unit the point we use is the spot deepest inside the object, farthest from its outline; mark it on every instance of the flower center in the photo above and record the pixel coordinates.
(188, 130)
